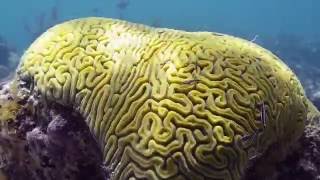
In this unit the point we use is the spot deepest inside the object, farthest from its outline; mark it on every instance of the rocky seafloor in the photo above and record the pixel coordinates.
(58, 145)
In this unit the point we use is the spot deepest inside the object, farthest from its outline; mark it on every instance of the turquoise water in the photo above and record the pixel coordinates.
(246, 18)
(289, 28)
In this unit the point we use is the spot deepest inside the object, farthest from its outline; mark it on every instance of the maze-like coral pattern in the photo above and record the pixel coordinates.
(167, 104)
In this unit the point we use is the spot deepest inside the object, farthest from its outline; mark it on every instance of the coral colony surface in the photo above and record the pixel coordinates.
(99, 98)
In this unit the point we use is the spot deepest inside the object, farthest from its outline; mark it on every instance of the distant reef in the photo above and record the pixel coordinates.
(99, 98)
(9, 59)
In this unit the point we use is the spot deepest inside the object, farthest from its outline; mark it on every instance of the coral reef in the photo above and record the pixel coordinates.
(3, 72)
(157, 103)
(304, 163)
(8, 59)
(4, 52)
(302, 56)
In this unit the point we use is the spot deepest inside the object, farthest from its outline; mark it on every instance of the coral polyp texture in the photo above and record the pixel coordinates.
(168, 104)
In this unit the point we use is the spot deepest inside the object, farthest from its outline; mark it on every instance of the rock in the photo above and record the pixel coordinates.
(55, 145)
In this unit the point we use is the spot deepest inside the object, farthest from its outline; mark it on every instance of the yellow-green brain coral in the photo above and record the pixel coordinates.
(168, 104)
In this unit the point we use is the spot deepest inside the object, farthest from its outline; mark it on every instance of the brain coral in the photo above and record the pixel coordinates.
(168, 104)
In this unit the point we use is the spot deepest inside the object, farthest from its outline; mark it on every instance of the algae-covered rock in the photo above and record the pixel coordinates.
(161, 103)
(44, 141)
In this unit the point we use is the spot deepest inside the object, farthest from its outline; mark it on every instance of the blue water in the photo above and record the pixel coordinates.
(289, 28)
(246, 18)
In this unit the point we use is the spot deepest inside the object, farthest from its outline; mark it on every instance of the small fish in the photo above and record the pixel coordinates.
(263, 115)
(123, 4)
(249, 137)
(255, 38)
(54, 13)
(191, 81)
(255, 156)
(165, 62)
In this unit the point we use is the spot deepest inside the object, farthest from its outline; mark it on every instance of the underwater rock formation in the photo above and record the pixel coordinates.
(45, 142)
(161, 103)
